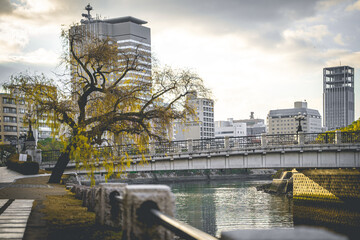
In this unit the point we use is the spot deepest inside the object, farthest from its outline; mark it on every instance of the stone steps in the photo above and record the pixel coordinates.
(14, 219)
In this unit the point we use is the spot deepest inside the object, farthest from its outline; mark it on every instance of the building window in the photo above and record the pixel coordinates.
(10, 119)
(10, 128)
(9, 110)
(8, 100)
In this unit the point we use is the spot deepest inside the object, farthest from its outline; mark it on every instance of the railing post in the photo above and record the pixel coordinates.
(190, 145)
(301, 138)
(337, 137)
(263, 140)
(107, 211)
(139, 199)
(152, 148)
(226, 142)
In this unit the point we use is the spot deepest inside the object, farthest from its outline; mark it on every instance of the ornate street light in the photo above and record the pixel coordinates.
(299, 118)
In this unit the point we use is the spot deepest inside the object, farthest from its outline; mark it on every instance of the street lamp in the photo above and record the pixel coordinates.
(299, 118)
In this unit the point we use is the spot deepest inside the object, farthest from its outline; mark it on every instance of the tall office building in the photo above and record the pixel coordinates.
(132, 39)
(338, 96)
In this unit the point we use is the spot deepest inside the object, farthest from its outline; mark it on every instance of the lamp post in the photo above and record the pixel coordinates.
(299, 118)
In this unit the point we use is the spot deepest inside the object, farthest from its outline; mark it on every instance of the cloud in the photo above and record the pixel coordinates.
(39, 56)
(354, 6)
(6, 7)
(13, 37)
(307, 33)
(339, 40)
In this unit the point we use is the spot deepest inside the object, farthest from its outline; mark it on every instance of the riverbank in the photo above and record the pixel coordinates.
(157, 177)
(55, 214)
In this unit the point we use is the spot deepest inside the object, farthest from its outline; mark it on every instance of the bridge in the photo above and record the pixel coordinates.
(303, 150)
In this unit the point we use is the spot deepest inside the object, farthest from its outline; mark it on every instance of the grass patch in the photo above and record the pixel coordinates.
(67, 219)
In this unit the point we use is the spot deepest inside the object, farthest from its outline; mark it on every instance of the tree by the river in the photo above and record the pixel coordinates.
(103, 98)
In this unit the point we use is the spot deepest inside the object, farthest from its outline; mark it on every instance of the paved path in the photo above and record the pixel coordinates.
(8, 176)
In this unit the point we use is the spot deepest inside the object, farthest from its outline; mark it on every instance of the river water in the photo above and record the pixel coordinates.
(216, 206)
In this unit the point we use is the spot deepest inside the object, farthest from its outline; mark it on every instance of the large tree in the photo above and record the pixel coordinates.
(107, 95)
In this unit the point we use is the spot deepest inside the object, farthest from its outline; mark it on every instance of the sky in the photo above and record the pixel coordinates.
(255, 55)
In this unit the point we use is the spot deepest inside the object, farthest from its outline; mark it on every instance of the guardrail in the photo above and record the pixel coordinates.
(138, 210)
(150, 215)
(243, 142)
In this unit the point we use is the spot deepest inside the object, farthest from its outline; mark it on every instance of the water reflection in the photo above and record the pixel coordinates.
(227, 205)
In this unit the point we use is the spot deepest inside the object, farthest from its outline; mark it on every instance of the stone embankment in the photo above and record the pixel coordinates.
(325, 185)
(182, 176)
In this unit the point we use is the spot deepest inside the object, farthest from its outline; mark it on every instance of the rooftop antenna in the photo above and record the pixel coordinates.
(88, 8)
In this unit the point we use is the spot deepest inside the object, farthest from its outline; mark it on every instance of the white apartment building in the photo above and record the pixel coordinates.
(283, 121)
(202, 126)
(230, 128)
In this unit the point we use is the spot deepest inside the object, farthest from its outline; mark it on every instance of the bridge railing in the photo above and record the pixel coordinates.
(224, 143)
(350, 137)
(281, 139)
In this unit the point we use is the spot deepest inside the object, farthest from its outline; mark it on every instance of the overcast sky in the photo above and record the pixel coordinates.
(255, 55)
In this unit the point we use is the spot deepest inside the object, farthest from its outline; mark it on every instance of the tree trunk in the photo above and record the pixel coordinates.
(60, 166)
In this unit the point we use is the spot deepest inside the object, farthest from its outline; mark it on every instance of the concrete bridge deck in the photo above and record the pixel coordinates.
(315, 150)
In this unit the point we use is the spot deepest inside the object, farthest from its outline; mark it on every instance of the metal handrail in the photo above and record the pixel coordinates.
(179, 228)
(151, 215)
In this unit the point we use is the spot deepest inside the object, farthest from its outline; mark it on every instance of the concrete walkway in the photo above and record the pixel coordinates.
(8, 176)
(19, 219)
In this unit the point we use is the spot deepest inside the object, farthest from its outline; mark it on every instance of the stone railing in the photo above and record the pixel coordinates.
(146, 212)
(128, 207)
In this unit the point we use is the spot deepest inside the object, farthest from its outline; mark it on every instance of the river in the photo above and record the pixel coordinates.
(217, 206)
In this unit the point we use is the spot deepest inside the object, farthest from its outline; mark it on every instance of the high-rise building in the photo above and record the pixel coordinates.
(199, 127)
(283, 121)
(131, 37)
(338, 96)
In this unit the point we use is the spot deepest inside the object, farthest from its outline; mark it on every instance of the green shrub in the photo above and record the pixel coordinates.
(5, 152)
(26, 168)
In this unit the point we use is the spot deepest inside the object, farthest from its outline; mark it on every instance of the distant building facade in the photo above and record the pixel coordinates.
(230, 128)
(11, 116)
(200, 127)
(243, 127)
(338, 96)
(254, 126)
(283, 121)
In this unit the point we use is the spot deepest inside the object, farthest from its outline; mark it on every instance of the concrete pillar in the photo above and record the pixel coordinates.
(108, 211)
(152, 149)
(301, 138)
(337, 137)
(137, 199)
(190, 145)
(92, 196)
(227, 142)
(263, 140)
